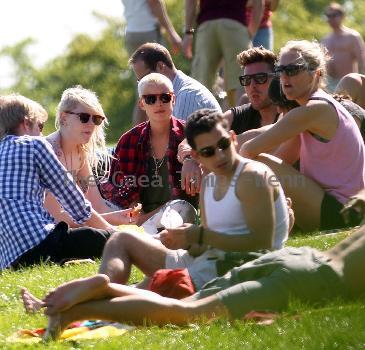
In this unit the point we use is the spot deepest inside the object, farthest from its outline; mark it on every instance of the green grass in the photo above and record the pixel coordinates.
(339, 325)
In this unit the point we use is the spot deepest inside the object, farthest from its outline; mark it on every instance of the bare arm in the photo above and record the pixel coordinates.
(359, 52)
(158, 9)
(319, 118)
(190, 17)
(257, 11)
(289, 151)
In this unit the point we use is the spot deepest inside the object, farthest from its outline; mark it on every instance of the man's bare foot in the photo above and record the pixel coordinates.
(31, 303)
(75, 292)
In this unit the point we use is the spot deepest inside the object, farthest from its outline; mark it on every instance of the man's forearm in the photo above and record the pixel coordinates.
(190, 13)
(158, 9)
(257, 11)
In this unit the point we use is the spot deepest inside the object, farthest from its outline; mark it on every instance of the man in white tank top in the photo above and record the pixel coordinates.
(242, 205)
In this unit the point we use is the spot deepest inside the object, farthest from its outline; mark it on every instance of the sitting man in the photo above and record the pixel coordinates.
(29, 167)
(145, 167)
(243, 209)
(190, 94)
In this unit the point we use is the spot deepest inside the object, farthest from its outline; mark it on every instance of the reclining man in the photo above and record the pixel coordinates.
(29, 167)
(242, 207)
(265, 284)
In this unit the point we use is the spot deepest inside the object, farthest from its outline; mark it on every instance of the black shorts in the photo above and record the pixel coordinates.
(64, 243)
(331, 217)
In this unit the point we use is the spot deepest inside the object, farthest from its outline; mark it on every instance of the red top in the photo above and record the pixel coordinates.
(216, 9)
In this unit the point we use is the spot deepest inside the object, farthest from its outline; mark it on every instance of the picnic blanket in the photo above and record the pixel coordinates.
(77, 331)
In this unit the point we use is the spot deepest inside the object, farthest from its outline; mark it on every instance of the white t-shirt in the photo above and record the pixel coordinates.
(138, 16)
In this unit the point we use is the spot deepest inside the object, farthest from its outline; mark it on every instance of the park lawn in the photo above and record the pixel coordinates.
(338, 325)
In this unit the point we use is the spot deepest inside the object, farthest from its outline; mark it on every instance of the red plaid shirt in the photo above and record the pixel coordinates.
(130, 163)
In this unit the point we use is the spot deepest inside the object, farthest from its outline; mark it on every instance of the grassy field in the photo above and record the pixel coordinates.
(339, 325)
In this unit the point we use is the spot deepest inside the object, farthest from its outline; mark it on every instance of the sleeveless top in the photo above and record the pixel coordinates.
(337, 165)
(225, 215)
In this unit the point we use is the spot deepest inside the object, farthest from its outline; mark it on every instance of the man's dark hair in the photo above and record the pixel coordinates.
(255, 55)
(151, 54)
(278, 97)
(203, 121)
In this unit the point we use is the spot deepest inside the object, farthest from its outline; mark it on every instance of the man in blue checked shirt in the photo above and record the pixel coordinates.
(28, 167)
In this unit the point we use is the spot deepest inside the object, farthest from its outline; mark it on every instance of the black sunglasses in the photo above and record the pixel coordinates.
(209, 151)
(259, 78)
(291, 69)
(85, 117)
(333, 15)
(152, 98)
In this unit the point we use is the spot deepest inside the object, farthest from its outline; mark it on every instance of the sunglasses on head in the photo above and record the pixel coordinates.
(152, 98)
(85, 117)
(259, 78)
(209, 151)
(291, 69)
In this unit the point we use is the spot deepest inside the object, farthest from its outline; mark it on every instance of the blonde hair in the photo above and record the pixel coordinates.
(155, 78)
(312, 53)
(95, 150)
(14, 109)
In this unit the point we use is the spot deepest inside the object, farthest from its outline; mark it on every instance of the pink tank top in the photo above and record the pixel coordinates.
(338, 165)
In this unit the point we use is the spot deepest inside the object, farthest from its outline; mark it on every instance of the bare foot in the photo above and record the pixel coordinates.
(75, 292)
(30, 302)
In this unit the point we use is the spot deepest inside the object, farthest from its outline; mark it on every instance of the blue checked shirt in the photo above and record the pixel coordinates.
(191, 96)
(28, 167)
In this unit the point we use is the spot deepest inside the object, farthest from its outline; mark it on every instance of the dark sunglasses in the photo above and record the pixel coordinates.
(291, 69)
(152, 98)
(259, 78)
(333, 15)
(85, 117)
(209, 151)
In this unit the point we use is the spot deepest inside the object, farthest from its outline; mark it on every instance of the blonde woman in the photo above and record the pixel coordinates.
(331, 150)
(79, 143)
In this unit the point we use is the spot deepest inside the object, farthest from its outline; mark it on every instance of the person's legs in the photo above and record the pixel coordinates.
(233, 38)
(306, 195)
(137, 310)
(126, 248)
(207, 54)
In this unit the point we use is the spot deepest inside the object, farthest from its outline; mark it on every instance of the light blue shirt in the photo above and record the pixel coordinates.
(28, 167)
(191, 96)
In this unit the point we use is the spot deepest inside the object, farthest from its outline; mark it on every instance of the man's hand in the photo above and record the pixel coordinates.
(191, 176)
(187, 46)
(357, 204)
(179, 238)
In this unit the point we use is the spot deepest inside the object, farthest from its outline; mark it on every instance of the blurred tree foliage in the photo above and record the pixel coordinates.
(100, 63)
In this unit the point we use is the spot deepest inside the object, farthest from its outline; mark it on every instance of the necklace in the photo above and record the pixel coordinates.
(158, 164)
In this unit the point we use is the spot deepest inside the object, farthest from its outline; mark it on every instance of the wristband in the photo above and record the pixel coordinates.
(201, 235)
(190, 31)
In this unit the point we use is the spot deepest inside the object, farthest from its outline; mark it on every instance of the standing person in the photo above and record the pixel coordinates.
(221, 32)
(265, 34)
(190, 95)
(328, 134)
(145, 168)
(29, 167)
(144, 18)
(345, 45)
(79, 143)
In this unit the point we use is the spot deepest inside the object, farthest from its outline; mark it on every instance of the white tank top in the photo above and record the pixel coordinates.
(138, 16)
(225, 215)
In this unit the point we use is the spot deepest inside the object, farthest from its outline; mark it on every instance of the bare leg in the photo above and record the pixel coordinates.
(306, 194)
(76, 291)
(31, 303)
(137, 310)
(124, 249)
